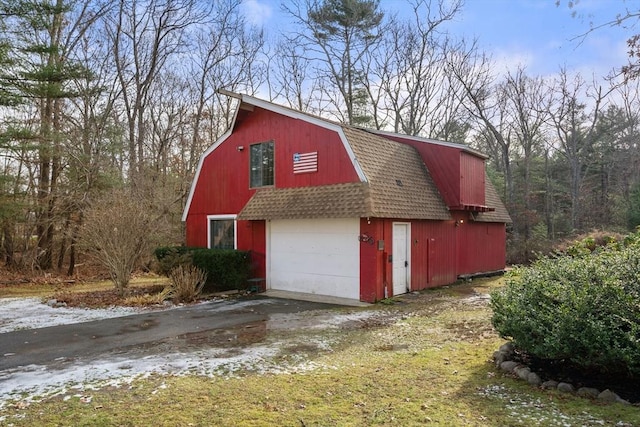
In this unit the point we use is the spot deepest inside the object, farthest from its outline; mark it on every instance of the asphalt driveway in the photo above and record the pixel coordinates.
(210, 323)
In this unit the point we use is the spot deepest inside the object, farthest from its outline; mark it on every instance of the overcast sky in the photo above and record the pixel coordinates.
(534, 33)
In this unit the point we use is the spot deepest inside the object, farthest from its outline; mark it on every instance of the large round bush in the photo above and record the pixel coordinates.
(582, 307)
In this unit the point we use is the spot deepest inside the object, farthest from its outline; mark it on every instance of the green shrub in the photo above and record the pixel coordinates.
(583, 308)
(225, 269)
(633, 213)
(171, 257)
(588, 242)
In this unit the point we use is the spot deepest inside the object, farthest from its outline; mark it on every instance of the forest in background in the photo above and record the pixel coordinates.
(100, 98)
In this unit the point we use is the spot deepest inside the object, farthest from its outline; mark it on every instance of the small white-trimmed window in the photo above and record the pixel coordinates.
(222, 232)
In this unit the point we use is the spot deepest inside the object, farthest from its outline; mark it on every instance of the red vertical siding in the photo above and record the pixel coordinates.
(196, 230)
(257, 244)
(223, 182)
(433, 256)
(482, 247)
(471, 180)
(440, 252)
(433, 248)
(245, 235)
(293, 136)
(372, 261)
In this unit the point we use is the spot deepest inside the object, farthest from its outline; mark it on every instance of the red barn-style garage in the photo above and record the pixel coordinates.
(340, 211)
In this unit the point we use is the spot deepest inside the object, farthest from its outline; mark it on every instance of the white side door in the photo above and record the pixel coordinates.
(401, 257)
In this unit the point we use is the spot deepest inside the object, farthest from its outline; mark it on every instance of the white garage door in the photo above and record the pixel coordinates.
(317, 256)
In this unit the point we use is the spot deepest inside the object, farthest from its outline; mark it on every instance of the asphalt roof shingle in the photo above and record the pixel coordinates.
(492, 199)
(400, 184)
(326, 201)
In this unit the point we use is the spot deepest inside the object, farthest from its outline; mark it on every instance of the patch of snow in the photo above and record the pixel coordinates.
(73, 377)
(32, 383)
(320, 320)
(535, 412)
(30, 313)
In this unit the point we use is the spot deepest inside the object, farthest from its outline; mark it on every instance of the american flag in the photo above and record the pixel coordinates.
(305, 162)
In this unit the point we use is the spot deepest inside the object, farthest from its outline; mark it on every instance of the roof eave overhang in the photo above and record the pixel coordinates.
(461, 147)
(472, 208)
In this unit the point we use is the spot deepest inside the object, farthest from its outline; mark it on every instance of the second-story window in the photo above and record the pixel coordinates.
(261, 164)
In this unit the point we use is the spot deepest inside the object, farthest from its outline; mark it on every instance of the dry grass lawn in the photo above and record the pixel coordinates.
(424, 361)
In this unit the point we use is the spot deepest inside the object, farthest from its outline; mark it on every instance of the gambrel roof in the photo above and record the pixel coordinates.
(400, 184)
(394, 181)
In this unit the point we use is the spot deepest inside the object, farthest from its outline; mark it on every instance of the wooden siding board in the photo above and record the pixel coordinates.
(481, 247)
(433, 251)
(472, 180)
(296, 136)
(372, 261)
(433, 256)
(258, 248)
(196, 230)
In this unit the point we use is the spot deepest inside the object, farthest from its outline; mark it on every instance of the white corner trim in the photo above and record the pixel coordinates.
(234, 217)
(196, 176)
(352, 156)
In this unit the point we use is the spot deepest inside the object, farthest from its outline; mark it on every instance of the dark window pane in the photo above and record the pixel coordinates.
(222, 234)
(267, 173)
(261, 164)
(256, 165)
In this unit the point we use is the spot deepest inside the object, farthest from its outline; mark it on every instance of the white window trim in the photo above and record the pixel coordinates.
(222, 217)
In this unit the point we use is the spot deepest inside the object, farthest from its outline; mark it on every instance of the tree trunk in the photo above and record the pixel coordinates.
(72, 248)
(7, 244)
(44, 254)
(548, 198)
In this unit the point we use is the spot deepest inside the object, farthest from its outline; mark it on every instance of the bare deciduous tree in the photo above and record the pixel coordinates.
(289, 76)
(145, 36)
(336, 34)
(118, 232)
(411, 87)
(575, 121)
(527, 104)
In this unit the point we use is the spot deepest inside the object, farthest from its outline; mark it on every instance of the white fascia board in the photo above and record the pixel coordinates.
(462, 147)
(313, 120)
(199, 169)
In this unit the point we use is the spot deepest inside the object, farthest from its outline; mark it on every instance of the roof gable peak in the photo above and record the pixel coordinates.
(247, 101)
